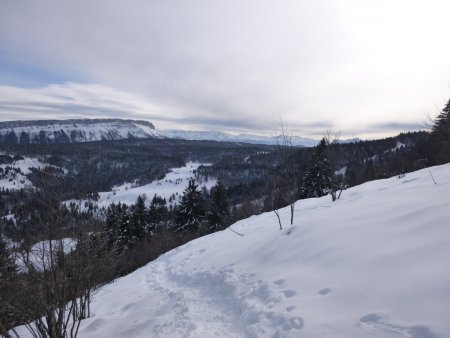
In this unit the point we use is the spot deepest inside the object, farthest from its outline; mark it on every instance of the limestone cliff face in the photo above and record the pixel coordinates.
(70, 131)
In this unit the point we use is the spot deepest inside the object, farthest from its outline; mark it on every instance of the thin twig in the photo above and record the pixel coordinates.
(432, 177)
(237, 233)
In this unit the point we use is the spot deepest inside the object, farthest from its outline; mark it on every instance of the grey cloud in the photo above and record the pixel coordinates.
(231, 64)
(395, 126)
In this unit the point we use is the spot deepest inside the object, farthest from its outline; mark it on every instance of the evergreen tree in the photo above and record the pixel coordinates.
(125, 233)
(157, 212)
(112, 223)
(139, 223)
(118, 227)
(319, 179)
(442, 123)
(219, 210)
(439, 148)
(8, 288)
(191, 211)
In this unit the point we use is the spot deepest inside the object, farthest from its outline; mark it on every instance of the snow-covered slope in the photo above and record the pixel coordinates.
(67, 131)
(373, 264)
(225, 137)
(13, 175)
(172, 185)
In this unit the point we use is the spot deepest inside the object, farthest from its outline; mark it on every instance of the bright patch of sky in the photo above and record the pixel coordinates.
(365, 68)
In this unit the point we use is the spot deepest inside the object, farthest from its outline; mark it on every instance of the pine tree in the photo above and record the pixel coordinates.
(118, 227)
(440, 137)
(8, 288)
(219, 211)
(139, 223)
(125, 232)
(156, 213)
(7, 264)
(442, 123)
(112, 224)
(319, 179)
(191, 211)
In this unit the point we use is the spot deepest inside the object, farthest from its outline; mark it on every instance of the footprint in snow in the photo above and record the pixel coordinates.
(294, 323)
(289, 293)
(290, 308)
(416, 331)
(325, 291)
(279, 282)
(127, 307)
(290, 230)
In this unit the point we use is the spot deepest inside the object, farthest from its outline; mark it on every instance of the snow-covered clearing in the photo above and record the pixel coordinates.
(16, 178)
(173, 183)
(399, 145)
(373, 264)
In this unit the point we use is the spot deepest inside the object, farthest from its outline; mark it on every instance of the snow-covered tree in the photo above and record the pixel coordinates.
(191, 212)
(319, 179)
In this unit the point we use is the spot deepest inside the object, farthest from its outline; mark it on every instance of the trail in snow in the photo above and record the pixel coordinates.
(200, 303)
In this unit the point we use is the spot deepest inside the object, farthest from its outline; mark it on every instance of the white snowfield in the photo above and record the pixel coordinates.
(373, 264)
(174, 183)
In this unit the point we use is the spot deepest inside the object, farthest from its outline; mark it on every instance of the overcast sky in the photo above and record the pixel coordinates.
(364, 68)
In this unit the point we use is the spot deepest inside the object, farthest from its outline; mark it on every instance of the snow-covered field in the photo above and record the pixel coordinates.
(373, 264)
(173, 183)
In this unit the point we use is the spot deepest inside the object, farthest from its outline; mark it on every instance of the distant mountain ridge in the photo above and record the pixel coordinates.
(88, 130)
(74, 130)
(225, 137)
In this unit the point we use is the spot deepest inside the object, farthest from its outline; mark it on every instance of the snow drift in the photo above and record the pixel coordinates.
(373, 264)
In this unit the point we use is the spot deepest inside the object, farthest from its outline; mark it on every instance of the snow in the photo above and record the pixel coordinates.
(18, 180)
(372, 264)
(399, 145)
(174, 183)
(341, 171)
